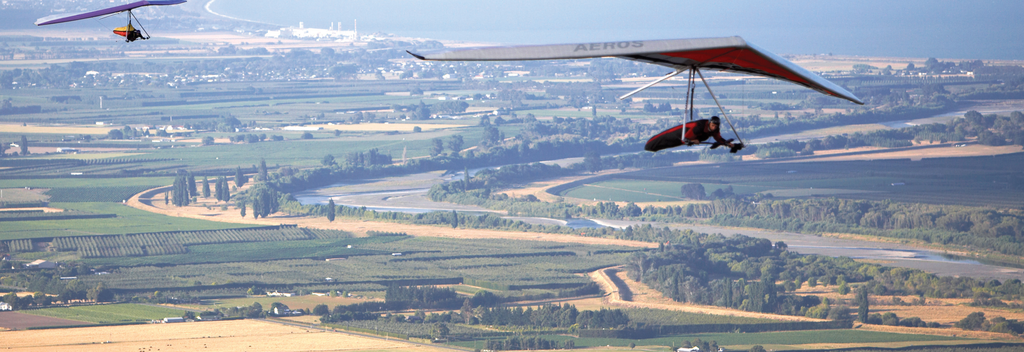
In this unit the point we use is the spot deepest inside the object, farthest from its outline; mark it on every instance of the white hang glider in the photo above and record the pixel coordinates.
(732, 54)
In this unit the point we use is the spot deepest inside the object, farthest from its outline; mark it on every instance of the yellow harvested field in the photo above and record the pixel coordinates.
(236, 335)
(56, 129)
(375, 127)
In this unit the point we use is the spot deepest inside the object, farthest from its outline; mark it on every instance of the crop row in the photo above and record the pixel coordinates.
(72, 215)
(20, 245)
(94, 194)
(416, 329)
(174, 242)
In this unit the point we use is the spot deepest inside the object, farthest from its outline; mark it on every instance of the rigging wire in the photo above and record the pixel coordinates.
(139, 22)
(719, 106)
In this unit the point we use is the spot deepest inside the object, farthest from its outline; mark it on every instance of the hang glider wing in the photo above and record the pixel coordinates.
(61, 18)
(727, 54)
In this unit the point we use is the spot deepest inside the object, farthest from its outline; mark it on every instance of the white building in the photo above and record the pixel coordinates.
(302, 128)
(41, 264)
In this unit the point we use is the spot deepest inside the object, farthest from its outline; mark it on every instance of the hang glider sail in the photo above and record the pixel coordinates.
(129, 32)
(731, 54)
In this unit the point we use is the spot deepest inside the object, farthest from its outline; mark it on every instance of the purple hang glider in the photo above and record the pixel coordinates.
(128, 32)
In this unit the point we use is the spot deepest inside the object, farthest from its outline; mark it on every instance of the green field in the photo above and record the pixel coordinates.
(503, 262)
(86, 182)
(128, 220)
(979, 181)
(242, 252)
(632, 190)
(665, 317)
(780, 338)
(109, 313)
(94, 194)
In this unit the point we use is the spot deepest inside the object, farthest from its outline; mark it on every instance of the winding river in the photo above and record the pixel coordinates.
(408, 194)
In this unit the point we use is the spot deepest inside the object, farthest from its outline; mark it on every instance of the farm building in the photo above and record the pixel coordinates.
(5, 306)
(174, 320)
(41, 264)
(286, 312)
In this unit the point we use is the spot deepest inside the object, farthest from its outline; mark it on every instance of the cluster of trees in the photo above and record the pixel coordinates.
(977, 321)
(552, 316)
(986, 129)
(184, 189)
(949, 225)
(715, 270)
(264, 200)
(422, 297)
(127, 133)
(652, 108)
(696, 191)
(520, 342)
(50, 288)
(254, 311)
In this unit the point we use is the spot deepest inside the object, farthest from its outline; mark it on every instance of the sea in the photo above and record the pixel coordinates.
(944, 29)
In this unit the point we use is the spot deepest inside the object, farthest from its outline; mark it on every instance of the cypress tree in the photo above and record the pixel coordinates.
(217, 191)
(225, 190)
(180, 197)
(241, 208)
(239, 177)
(263, 171)
(330, 210)
(24, 145)
(206, 187)
(455, 219)
(862, 302)
(192, 191)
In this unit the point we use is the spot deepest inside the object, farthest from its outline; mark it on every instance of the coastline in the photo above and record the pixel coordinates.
(215, 13)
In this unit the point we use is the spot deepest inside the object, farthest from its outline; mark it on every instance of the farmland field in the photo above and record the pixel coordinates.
(983, 180)
(82, 156)
(109, 313)
(767, 338)
(94, 194)
(19, 320)
(501, 262)
(89, 182)
(237, 335)
(624, 190)
(128, 220)
(294, 302)
(20, 195)
(241, 252)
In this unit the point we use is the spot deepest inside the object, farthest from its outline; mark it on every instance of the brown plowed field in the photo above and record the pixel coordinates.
(18, 321)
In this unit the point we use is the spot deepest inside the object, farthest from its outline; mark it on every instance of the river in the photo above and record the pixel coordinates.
(408, 194)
